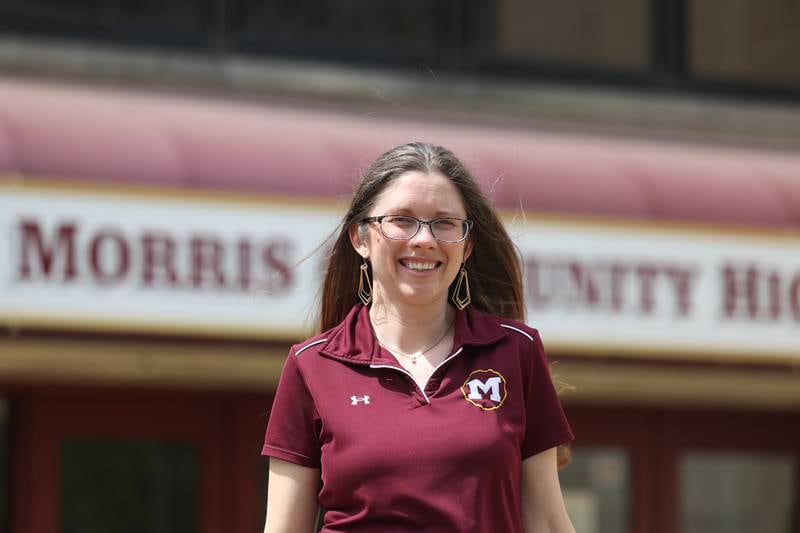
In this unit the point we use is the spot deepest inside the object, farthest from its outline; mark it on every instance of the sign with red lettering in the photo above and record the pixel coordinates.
(655, 289)
(157, 264)
(96, 261)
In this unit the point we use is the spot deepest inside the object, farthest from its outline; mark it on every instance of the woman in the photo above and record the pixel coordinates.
(424, 405)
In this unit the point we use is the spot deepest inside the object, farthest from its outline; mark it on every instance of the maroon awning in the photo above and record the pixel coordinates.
(111, 135)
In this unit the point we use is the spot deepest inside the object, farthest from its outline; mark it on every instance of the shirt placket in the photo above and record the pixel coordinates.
(422, 393)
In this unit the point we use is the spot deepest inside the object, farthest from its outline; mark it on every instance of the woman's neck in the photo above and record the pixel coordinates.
(408, 328)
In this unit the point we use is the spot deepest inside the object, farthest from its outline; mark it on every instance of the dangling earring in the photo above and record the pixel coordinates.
(364, 284)
(461, 297)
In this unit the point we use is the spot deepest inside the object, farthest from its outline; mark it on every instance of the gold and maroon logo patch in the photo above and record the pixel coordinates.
(485, 389)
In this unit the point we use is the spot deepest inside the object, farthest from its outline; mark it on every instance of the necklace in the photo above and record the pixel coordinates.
(416, 355)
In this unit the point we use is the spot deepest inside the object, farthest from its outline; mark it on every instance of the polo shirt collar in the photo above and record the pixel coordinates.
(353, 340)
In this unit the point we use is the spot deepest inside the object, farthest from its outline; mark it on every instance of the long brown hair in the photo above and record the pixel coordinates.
(494, 268)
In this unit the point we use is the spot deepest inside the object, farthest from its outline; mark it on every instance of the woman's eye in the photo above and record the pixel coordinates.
(445, 224)
(402, 222)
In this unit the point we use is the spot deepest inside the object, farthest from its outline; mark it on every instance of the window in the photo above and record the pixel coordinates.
(613, 34)
(596, 487)
(745, 41)
(147, 21)
(129, 486)
(358, 28)
(728, 492)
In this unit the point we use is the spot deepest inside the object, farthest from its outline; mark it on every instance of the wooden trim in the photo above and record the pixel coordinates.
(154, 325)
(256, 367)
(205, 365)
(63, 187)
(677, 386)
(246, 464)
(21, 506)
(733, 353)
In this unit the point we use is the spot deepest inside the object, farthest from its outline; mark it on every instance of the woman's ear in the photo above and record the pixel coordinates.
(467, 250)
(358, 242)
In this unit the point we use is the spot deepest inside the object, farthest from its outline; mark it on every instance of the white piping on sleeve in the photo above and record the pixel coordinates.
(517, 330)
(309, 345)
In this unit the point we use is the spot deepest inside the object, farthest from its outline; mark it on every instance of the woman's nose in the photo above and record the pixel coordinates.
(424, 235)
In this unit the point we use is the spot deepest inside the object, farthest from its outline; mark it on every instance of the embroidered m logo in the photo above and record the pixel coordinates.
(491, 385)
(485, 389)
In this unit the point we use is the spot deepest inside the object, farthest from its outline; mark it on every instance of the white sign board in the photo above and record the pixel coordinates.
(159, 264)
(610, 288)
(166, 264)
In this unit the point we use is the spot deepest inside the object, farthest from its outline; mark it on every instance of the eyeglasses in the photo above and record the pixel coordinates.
(401, 227)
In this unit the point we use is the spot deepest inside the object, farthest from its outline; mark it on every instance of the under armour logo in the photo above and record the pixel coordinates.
(354, 400)
(485, 389)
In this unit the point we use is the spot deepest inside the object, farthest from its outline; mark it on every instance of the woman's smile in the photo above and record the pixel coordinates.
(420, 266)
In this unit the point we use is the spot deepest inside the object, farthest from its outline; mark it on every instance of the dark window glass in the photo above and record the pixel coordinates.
(146, 21)
(613, 34)
(399, 30)
(597, 491)
(726, 492)
(4, 474)
(129, 487)
(749, 41)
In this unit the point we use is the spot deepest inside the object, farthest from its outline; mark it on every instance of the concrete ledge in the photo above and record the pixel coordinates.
(679, 386)
(176, 364)
(419, 91)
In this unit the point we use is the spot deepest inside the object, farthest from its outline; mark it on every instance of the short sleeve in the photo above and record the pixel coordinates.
(546, 424)
(294, 424)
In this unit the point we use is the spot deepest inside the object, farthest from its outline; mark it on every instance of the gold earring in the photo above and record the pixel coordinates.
(461, 297)
(364, 284)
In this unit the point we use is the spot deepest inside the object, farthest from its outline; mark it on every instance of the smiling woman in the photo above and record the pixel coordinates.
(424, 390)
(412, 268)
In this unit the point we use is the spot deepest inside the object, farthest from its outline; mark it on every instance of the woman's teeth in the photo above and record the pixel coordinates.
(420, 266)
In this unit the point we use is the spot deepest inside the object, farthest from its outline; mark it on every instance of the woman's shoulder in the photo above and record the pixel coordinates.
(319, 340)
(310, 343)
(513, 328)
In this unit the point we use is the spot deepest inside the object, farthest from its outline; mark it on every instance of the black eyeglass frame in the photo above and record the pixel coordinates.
(420, 223)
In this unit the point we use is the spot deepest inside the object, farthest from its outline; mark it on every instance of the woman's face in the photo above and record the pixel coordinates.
(417, 271)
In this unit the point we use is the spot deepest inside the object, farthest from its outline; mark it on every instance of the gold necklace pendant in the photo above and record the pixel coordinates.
(420, 353)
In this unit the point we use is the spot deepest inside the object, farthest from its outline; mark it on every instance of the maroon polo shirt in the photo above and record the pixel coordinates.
(397, 458)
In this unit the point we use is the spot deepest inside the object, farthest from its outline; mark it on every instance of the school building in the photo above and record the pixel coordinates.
(160, 259)
(169, 176)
